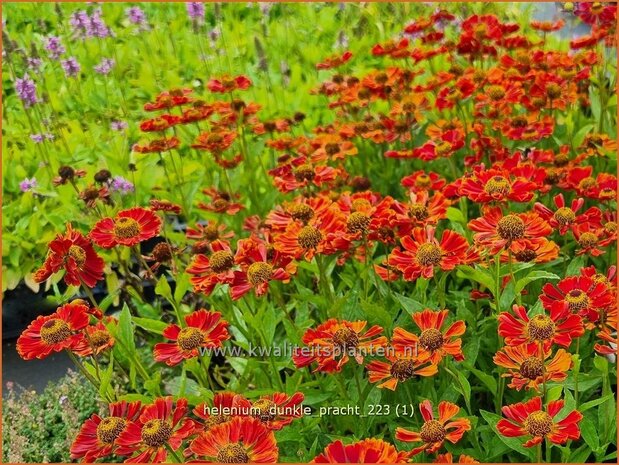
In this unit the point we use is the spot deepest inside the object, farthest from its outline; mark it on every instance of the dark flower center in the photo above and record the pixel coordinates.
(304, 173)
(155, 433)
(497, 186)
(587, 239)
(429, 254)
(259, 272)
(301, 211)
(345, 338)
(541, 328)
(577, 300)
(358, 222)
(99, 338)
(419, 211)
(232, 453)
(55, 331)
(190, 338)
(110, 428)
(432, 431)
(78, 254)
(538, 424)
(221, 261)
(309, 237)
(162, 252)
(511, 227)
(564, 216)
(126, 228)
(532, 368)
(431, 339)
(402, 370)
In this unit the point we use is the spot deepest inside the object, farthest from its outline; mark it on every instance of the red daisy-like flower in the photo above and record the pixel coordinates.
(596, 13)
(528, 370)
(215, 269)
(165, 206)
(367, 451)
(560, 326)
(497, 231)
(434, 432)
(432, 340)
(159, 124)
(274, 410)
(221, 202)
(398, 369)
(169, 99)
(204, 329)
(448, 458)
(227, 84)
(53, 333)
(334, 61)
(422, 181)
(582, 296)
(240, 440)
(332, 343)
(97, 436)
(497, 185)
(157, 146)
(161, 425)
(529, 419)
(422, 252)
(128, 227)
(302, 172)
(74, 253)
(259, 266)
(565, 218)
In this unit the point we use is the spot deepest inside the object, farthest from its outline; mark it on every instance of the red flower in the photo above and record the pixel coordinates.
(207, 272)
(367, 451)
(398, 370)
(128, 227)
(582, 296)
(420, 180)
(259, 266)
(204, 329)
(596, 13)
(240, 440)
(564, 217)
(302, 172)
(334, 61)
(228, 84)
(497, 185)
(76, 255)
(496, 231)
(529, 419)
(274, 410)
(332, 342)
(392, 48)
(169, 99)
(53, 333)
(157, 146)
(432, 340)
(161, 123)
(528, 370)
(435, 431)
(165, 206)
(220, 410)
(216, 141)
(221, 202)
(448, 458)
(97, 436)
(559, 327)
(422, 252)
(160, 425)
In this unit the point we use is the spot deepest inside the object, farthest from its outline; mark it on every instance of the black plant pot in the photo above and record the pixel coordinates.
(20, 306)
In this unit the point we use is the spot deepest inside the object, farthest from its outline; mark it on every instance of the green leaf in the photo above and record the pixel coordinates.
(486, 379)
(589, 433)
(125, 330)
(410, 305)
(592, 403)
(478, 275)
(163, 289)
(533, 276)
(106, 377)
(150, 325)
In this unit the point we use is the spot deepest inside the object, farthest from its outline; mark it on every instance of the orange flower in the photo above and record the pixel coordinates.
(432, 339)
(274, 410)
(528, 370)
(215, 269)
(53, 333)
(366, 451)
(448, 458)
(435, 431)
(221, 202)
(399, 369)
(215, 142)
(203, 329)
(128, 227)
(332, 343)
(497, 231)
(558, 327)
(227, 84)
(497, 185)
(96, 339)
(157, 146)
(240, 440)
(169, 99)
(159, 124)
(422, 253)
(334, 61)
(529, 419)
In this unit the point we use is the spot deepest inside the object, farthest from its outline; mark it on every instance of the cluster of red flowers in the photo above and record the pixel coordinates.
(522, 200)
